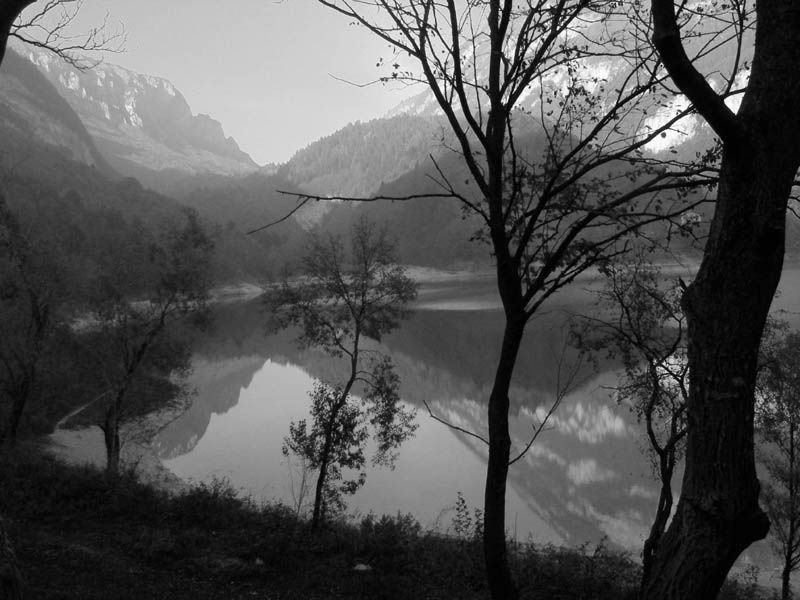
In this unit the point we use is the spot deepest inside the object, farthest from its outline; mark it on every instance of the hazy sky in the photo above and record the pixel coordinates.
(261, 68)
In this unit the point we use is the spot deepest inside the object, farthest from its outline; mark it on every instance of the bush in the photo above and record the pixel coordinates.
(389, 542)
(567, 573)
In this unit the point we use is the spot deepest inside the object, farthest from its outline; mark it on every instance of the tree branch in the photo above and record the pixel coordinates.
(454, 427)
(667, 40)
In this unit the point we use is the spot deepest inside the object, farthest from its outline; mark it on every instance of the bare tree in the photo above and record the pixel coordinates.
(48, 24)
(555, 147)
(726, 306)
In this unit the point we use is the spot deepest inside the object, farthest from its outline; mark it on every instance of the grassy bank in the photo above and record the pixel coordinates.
(77, 537)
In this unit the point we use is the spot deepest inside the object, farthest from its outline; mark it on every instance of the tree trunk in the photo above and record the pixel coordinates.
(9, 11)
(316, 518)
(9, 436)
(726, 307)
(786, 584)
(501, 584)
(663, 511)
(112, 442)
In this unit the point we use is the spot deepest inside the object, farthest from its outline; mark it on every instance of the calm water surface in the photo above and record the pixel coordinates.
(585, 479)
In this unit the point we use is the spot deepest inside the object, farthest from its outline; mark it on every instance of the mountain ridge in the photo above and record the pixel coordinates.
(142, 124)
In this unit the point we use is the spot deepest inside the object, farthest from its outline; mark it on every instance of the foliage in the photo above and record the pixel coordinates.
(390, 542)
(358, 158)
(643, 326)
(136, 304)
(337, 435)
(555, 147)
(77, 536)
(466, 526)
(342, 299)
(33, 294)
(344, 292)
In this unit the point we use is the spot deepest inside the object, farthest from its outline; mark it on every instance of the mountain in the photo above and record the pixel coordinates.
(357, 159)
(33, 113)
(141, 124)
(60, 186)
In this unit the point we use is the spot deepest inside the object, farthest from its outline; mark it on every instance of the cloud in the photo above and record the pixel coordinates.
(588, 471)
(590, 424)
(639, 491)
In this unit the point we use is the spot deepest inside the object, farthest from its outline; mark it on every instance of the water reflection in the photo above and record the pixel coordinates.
(584, 479)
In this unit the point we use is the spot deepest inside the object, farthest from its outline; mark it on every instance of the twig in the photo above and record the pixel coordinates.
(283, 218)
(454, 427)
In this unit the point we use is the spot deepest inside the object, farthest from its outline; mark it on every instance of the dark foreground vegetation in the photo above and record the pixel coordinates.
(77, 537)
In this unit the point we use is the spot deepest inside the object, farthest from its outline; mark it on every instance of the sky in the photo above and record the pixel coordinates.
(264, 69)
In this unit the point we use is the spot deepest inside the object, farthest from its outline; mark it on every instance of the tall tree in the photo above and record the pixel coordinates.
(345, 297)
(726, 306)
(550, 103)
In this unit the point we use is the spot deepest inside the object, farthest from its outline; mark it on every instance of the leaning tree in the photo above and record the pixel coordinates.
(347, 293)
(555, 106)
(727, 304)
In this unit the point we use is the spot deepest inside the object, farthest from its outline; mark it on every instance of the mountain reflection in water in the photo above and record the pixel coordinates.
(585, 478)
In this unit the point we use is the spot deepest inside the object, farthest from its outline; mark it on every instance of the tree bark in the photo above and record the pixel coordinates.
(501, 583)
(316, 518)
(726, 306)
(15, 416)
(112, 443)
(786, 584)
(663, 512)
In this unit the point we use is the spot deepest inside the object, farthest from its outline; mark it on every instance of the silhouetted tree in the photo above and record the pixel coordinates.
(727, 304)
(142, 291)
(555, 147)
(48, 25)
(641, 324)
(347, 294)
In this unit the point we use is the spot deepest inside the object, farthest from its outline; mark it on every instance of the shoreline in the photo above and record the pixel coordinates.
(85, 446)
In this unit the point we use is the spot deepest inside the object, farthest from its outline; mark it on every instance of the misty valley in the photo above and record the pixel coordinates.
(484, 300)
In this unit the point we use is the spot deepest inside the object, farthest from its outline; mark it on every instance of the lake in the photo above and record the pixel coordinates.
(586, 477)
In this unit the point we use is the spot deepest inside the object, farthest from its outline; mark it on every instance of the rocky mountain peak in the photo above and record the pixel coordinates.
(141, 121)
